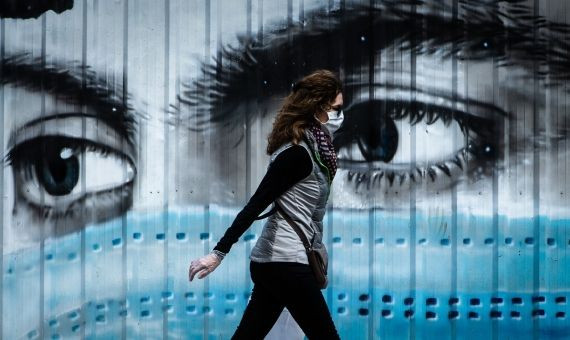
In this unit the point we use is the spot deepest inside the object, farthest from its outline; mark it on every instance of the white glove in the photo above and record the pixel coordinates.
(204, 265)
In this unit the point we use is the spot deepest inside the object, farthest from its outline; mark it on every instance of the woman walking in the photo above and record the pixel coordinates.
(302, 166)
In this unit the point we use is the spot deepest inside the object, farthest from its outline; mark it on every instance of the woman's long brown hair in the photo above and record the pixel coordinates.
(311, 95)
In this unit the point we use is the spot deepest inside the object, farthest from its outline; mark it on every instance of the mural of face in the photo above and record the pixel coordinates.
(448, 154)
(133, 131)
(445, 120)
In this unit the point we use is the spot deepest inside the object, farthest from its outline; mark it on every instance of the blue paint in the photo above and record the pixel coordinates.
(389, 306)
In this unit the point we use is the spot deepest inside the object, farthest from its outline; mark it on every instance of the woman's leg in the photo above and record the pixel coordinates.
(264, 307)
(308, 307)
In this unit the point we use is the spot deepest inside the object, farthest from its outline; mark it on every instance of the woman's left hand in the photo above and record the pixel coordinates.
(203, 266)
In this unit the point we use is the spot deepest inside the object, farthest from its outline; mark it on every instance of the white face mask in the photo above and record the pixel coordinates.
(335, 121)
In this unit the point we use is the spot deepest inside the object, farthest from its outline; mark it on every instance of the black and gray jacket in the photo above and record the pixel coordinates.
(299, 181)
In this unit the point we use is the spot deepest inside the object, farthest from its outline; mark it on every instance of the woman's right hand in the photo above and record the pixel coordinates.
(203, 266)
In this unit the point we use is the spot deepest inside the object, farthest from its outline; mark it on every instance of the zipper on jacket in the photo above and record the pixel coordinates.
(326, 171)
(318, 157)
(324, 167)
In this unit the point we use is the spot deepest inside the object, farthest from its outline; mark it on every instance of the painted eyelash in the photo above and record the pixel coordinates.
(487, 20)
(24, 160)
(16, 154)
(373, 178)
(213, 86)
(417, 111)
(210, 89)
(77, 84)
(430, 114)
(75, 209)
(461, 160)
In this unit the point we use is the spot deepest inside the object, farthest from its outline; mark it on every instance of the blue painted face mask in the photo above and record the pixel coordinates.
(130, 275)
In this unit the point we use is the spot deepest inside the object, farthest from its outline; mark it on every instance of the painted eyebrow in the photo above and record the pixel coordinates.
(75, 85)
(268, 66)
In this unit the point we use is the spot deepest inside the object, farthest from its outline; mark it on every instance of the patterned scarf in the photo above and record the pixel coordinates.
(325, 146)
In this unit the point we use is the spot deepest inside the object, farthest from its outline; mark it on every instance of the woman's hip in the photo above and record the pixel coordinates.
(280, 274)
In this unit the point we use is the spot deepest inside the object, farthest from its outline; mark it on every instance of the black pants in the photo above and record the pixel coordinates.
(285, 284)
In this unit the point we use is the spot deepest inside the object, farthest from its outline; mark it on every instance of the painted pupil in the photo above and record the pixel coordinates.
(379, 141)
(57, 175)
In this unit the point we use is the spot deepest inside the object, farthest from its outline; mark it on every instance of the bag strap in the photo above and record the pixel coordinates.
(302, 235)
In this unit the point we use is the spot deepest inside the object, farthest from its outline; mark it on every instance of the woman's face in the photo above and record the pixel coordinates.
(334, 106)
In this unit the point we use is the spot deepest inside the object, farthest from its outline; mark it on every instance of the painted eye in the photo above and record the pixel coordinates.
(375, 142)
(386, 140)
(59, 174)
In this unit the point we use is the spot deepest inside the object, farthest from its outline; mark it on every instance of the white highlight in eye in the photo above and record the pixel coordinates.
(66, 153)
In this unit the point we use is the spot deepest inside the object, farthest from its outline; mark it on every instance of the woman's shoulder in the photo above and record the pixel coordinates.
(293, 153)
(290, 147)
(294, 159)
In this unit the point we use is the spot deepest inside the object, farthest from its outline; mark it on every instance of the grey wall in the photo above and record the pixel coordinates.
(135, 131)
